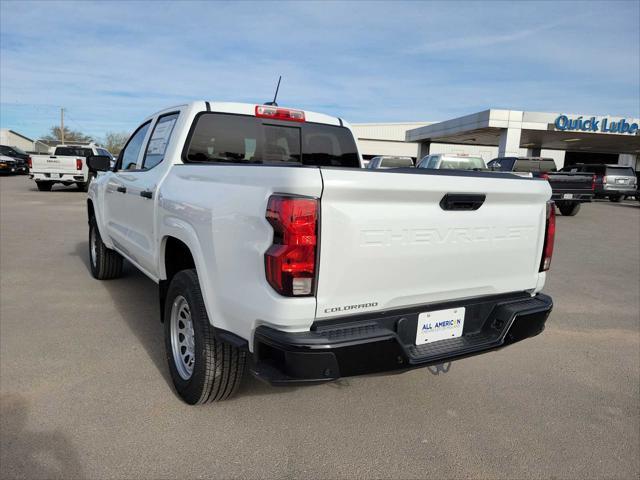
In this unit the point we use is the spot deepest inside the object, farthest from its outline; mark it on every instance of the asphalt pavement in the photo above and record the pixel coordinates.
(85, 390)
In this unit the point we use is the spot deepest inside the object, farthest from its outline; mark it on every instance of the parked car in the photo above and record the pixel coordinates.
(273, 248)
(442, 161)
(388, 161)
(7, 165)
(67, 165)
(614, 182)
(570, 190)
(21, 158)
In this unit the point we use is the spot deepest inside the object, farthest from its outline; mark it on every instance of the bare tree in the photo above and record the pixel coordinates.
(69, 135)
(114, 141)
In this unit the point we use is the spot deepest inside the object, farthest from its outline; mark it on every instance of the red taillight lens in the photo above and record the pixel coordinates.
(544, 176)
(78, 164)
(290, 263)
(593, 183)
(29, 162)
(266, 111)
(549, 237)
(604, 179)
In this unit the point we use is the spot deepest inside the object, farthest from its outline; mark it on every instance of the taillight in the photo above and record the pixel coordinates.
(78, 164)
(549, 237)
(277, 113)
(593, 182)
(604, 179)
(544, 176)
(290, 263)
(29, 163)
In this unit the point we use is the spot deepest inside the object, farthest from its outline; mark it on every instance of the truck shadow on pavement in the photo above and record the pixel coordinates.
(136, 298)
(32, 454)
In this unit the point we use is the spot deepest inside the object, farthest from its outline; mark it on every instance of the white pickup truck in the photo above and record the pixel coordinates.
(273, 247)
(67, 164)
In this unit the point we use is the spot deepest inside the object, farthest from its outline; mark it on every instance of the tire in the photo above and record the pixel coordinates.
(105, 263)
(569, 209)
(44, 186)
(207, 369)
(616, 199)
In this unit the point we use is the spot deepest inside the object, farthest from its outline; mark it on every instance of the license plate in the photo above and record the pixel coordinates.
(567, 195)
(439, 325)
(621, 180)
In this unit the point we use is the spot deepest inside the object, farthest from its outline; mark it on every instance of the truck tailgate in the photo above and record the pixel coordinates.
(54, 163)
(386, 242)
(564, 182)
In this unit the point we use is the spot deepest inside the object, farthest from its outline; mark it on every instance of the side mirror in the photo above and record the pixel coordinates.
(99, 163)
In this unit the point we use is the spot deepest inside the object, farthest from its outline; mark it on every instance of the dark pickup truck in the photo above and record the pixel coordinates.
(569, 189)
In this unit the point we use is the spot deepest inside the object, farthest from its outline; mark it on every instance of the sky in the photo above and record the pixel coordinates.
(111, 64)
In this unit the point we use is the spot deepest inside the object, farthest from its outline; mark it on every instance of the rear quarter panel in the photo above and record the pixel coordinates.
(219, 212)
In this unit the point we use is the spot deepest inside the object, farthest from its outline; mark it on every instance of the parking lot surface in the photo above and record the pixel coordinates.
(85, 390)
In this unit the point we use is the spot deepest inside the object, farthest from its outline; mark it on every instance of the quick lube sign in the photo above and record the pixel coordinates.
(595, 124)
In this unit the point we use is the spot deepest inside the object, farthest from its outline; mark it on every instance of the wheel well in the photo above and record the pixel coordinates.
(177, 257)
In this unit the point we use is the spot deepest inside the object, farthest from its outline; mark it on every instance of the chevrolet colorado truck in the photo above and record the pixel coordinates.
(569, 189)
(67, 165)
(274, 249)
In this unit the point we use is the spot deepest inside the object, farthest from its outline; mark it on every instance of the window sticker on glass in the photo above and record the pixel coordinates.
(161, 134)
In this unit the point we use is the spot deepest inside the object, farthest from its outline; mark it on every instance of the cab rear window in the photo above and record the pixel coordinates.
(621, 171)
(74, 151)
(226, 138)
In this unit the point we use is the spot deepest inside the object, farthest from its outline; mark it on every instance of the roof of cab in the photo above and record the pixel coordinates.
(247, 109)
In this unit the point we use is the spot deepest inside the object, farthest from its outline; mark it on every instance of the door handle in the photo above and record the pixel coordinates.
(146, 194)
(462, 201)
(121, 189)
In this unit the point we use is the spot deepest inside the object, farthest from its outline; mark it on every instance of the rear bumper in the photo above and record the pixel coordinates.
(386, 341)
(575, 197)
(57, 177)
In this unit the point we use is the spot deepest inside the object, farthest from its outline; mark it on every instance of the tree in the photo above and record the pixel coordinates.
(69, 135)
(114, 141)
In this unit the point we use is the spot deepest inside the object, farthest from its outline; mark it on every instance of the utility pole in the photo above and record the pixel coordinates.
(62, 126)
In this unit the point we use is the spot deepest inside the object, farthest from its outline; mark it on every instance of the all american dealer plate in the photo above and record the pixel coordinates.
(439, 325)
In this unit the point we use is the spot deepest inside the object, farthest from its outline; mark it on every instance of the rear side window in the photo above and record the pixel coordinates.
(74, 151)
(159, 140)
(224, 138)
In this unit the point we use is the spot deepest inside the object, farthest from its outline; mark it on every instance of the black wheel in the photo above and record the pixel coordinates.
(105, 263)
(44, 186)
(569, 209)
(617, 198)
(203, 368)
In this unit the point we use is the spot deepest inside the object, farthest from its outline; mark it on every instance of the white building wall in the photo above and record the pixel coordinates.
(381, 147)
(557, 155)
(386, 138)
(7, 137)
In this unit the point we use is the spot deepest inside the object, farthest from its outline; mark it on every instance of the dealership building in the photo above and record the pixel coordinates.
(567, 138)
